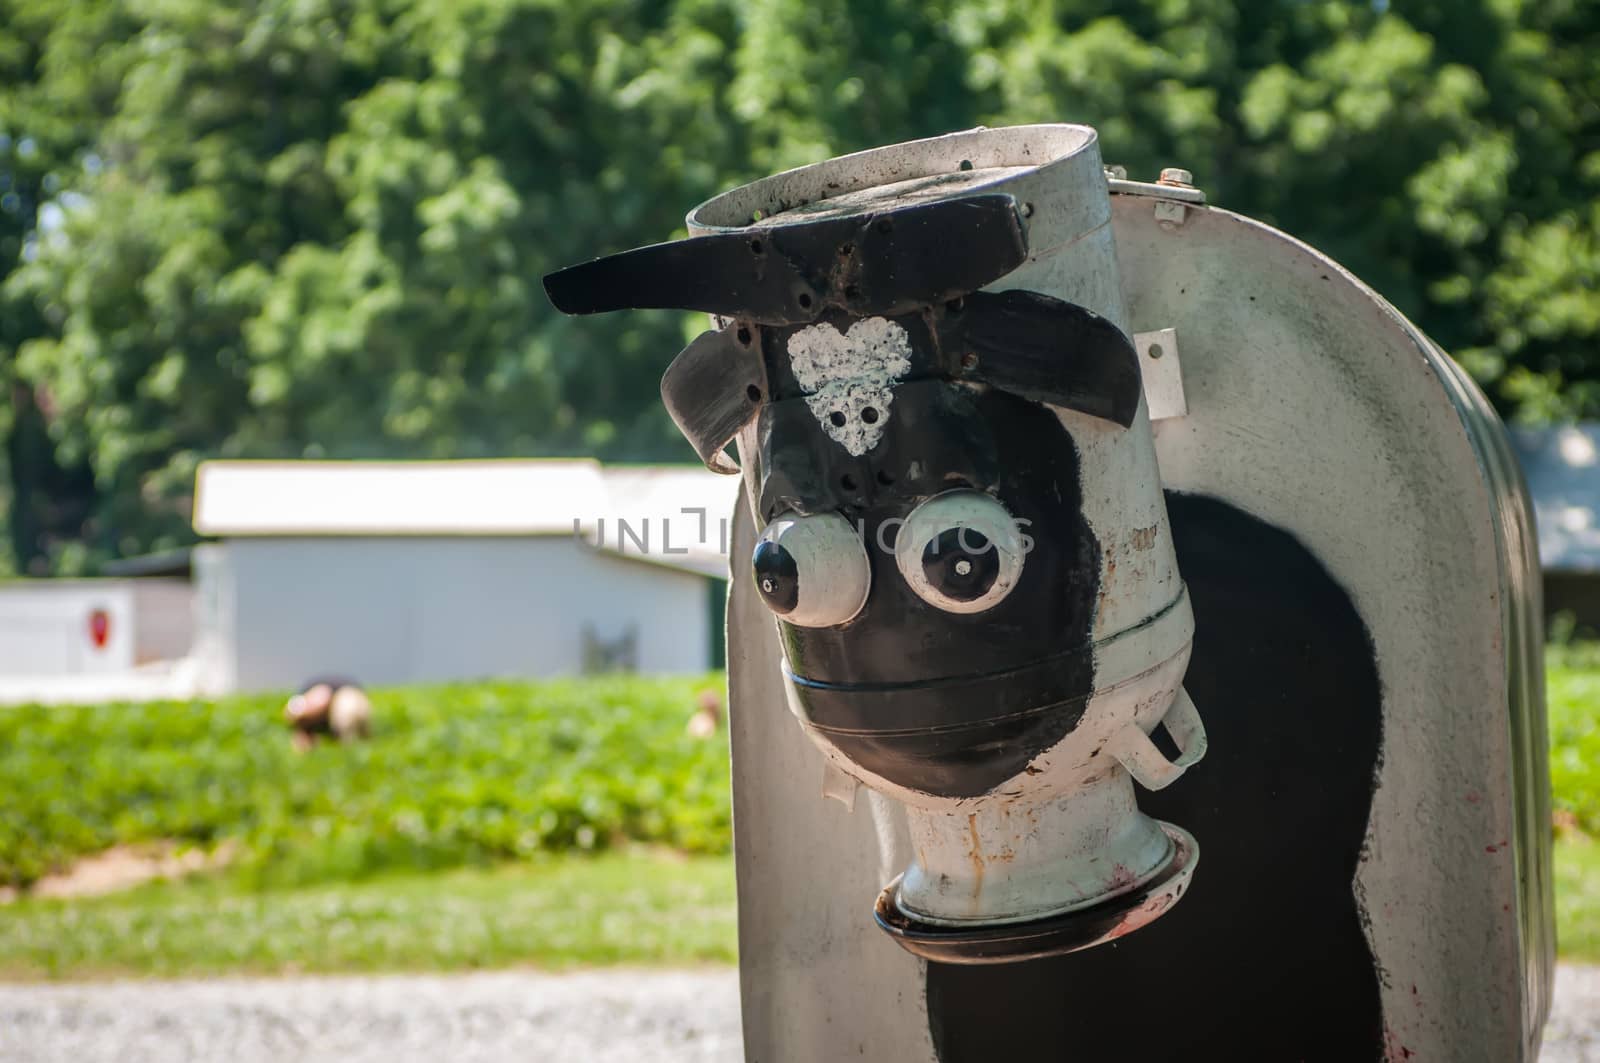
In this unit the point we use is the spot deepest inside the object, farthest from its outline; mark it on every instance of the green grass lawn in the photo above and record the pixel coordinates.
(1578, 899)
(466, 774)
(614, 908)
(1573, 679)
(465, 834)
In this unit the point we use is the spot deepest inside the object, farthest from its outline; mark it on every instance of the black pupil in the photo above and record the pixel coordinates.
(777, 577)
(961, 564)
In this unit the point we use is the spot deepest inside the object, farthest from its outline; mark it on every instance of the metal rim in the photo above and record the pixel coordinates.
(1053, 936)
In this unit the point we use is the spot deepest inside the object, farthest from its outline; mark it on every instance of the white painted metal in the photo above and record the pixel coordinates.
(835, 575)
(1162, 371)
(848, 377)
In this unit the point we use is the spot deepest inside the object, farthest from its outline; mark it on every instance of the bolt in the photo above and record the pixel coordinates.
(1117, 173)
(1172, 175)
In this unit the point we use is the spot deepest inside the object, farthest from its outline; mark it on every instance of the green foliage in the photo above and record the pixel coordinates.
(314, 228)
(1577, 867)
(453, 775)
(632, 908)
(1573, 690)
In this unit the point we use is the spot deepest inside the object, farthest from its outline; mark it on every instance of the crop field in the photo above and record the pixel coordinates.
(483, 825)
(453, 776)
(1573, 694)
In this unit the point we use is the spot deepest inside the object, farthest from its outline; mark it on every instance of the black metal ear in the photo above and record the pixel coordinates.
(1046, 350)
(714, 388)
(869, 265)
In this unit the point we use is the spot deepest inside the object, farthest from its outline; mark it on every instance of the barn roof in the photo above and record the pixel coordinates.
(1562, 465)
(652, 512)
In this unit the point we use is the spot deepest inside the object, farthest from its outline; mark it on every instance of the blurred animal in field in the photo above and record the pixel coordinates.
(332, 708)
(707, 719)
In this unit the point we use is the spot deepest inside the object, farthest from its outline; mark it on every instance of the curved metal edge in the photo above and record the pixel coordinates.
(1522, 612)
(1054, 936)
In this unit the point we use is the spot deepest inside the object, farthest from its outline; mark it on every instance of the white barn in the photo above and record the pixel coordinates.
(402, 572)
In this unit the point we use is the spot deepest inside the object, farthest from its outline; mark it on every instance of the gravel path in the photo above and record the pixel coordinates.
(595, 1016)
(1573, 1035)
(613, 1016)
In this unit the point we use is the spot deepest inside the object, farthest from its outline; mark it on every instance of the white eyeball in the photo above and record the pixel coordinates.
(812, 571)
(960, 551)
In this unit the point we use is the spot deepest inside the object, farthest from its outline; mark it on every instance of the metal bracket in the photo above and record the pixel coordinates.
(1117, 181)
(1174, 194)
(839, 786)
(1162, 371)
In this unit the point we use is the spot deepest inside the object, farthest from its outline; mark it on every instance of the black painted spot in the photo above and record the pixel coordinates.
(910, 690)
(777, 577)
(1264, 958)
(961, 564)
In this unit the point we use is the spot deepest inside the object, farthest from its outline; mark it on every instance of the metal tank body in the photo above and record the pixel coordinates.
(1333, 504)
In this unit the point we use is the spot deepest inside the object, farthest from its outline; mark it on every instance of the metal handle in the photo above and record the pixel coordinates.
(1149, 765)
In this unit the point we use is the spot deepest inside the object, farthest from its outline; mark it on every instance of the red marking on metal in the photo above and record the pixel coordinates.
(99, 628)
(1393, 1049)
(1472, 797)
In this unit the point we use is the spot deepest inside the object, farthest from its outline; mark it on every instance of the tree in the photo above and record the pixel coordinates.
(285, 228)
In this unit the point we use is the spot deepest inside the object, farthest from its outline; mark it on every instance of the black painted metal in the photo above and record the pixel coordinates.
(869, 265)
(894, 687)
(1266, 957)
(906, 689)
(1046, 350)
(960, 564)
(777, 577)
(714, 388)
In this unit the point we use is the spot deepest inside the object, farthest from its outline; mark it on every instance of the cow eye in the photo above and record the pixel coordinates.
(812, 571)
(960, 551)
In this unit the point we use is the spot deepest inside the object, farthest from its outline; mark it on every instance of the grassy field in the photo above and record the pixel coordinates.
(1578, 899)
(1573, 695)
(472, 831)
(459, 775)
(1573, 676)
(613, 908)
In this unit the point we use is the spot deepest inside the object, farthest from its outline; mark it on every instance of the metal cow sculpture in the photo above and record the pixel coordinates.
(926, 358)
